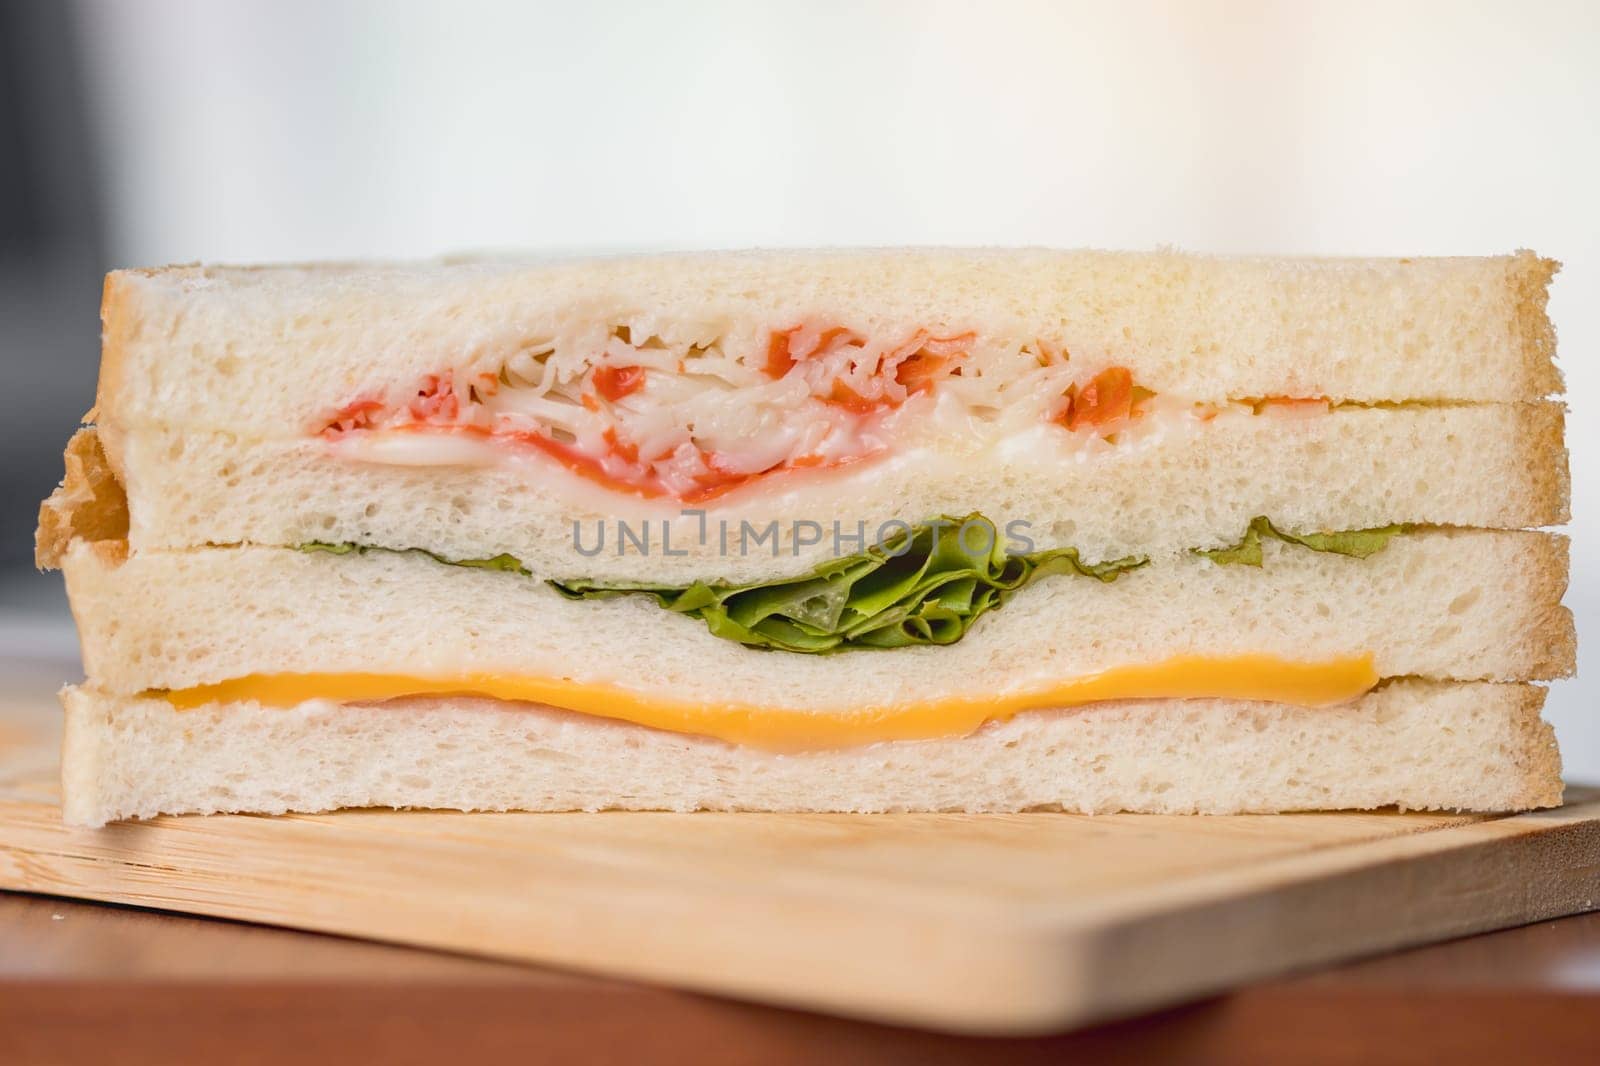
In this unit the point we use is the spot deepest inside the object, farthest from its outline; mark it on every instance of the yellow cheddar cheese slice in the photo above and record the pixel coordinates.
(1244, 677)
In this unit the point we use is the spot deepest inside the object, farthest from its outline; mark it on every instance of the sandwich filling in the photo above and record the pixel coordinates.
(657, 420)
(1246, 677)
(926, 587)
(695, 421)
(926, 584)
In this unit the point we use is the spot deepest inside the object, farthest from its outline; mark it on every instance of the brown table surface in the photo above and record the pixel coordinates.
(82, 982)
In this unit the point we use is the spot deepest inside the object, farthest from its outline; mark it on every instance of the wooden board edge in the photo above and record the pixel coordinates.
(1011, 972)
(1582, 809)
(1340, 904)
(846, 961)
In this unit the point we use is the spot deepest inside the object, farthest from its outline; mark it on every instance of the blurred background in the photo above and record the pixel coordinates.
(136, 132)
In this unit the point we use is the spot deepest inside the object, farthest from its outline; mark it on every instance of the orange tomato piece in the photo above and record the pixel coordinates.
(842, 395)
(615, 382)
(779, 358)
(626, 450)
(932, 357)
(919, 371)
(1105, 400)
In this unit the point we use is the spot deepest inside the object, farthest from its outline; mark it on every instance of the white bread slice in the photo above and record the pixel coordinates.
(1457, 605)
(262, 350)
(1415, 744)
(1500, 465)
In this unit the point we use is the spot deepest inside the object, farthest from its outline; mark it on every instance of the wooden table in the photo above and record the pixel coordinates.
(97, 984)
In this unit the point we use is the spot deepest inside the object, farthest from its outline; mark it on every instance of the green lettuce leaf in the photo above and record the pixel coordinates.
(1358, 543)
(927, 586)
(508, 563)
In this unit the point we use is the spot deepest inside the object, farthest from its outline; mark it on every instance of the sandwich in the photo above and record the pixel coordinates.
(818, 531)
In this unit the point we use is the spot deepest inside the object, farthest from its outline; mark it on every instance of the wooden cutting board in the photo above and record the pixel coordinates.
(997, 924)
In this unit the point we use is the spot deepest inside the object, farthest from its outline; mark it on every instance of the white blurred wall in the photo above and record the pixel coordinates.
(265, 129)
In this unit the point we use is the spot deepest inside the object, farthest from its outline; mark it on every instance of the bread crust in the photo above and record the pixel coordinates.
(121, 319)
(1534, 752)
(1548, 488)
(89, 504)
(1529, 277)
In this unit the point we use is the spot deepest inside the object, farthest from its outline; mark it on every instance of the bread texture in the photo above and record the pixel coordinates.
(211, 347)
(1412, 744)
(1349, 469)
(1451, 605)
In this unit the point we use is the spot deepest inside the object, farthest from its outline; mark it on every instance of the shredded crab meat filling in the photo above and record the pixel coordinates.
(692, 421)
